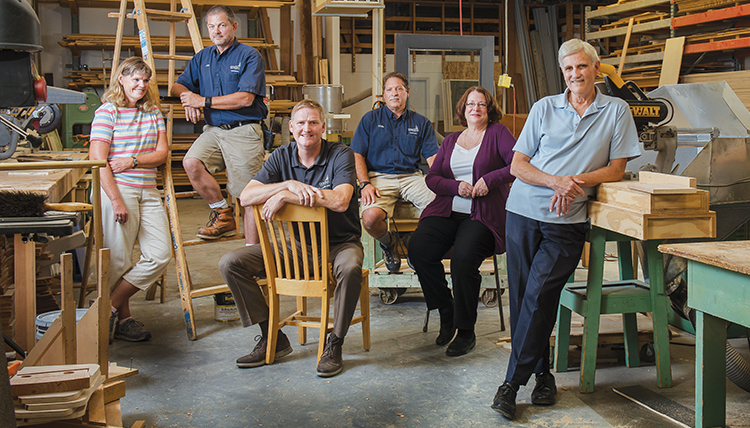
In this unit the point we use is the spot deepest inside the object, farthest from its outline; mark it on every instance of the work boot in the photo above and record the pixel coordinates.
(330, 363)
(132, 331)
(220, 224)
(544, 391)
(258, 356)
(505, 401)
(390, 256)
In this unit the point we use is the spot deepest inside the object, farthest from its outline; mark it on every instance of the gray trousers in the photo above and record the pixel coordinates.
(240, 267)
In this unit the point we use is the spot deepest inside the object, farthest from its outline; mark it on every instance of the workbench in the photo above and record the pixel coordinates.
(719, 291)
(55, 182)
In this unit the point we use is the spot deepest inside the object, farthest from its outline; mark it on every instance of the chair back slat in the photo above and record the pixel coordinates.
(316, 256)
(290, 236)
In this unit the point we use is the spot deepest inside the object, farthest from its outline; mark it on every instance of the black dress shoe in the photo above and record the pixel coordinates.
(461, 346)
(446, 335)
(505, 401)
(544, 390)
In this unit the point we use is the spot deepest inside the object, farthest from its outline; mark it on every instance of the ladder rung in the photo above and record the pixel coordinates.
(207, 241)
(165, 15)
(207, 291)
(177, 57)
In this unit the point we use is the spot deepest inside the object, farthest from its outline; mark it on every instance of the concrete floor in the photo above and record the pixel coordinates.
(405, 380)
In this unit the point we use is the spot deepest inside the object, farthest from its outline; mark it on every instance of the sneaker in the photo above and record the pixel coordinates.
(258, 356)
(544, 391)
(505, 401)
(330, 363)
(391, 258)
(132, 331)
(112, 326)
(220, 224)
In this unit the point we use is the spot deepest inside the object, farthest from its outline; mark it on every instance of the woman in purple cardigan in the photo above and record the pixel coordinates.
(471, 180)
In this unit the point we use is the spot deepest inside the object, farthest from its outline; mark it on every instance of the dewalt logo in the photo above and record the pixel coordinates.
(645, 111)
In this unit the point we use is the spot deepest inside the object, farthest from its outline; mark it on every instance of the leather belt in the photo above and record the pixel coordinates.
(228, 126)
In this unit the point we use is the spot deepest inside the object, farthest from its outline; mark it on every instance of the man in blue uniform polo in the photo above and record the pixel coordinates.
(388, 144)
(227, 82)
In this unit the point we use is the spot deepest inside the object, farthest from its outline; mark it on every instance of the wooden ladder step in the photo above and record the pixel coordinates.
(200, 241)
(157, 15)
(175, 57)
(209, 291)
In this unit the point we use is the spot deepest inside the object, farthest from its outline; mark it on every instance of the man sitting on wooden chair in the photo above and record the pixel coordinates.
(311, 172)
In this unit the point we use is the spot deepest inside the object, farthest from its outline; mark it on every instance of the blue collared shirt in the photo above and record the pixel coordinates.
(240, 68)
(394, 146)
(560, 142)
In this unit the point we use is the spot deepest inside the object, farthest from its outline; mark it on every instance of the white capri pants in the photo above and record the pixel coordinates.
(147, 223)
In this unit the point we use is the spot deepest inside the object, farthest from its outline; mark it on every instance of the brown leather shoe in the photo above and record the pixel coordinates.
(220, 224)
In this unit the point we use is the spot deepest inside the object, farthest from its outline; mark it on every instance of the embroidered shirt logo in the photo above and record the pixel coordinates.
(381, 126)
(414, 130)
(325, 183)
(235, 68)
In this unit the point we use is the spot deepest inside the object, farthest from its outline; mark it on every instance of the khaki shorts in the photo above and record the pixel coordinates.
(409, 187)
(239, 151)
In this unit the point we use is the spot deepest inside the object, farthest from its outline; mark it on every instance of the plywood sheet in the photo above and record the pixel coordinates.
(672, 61)
(657, 177)
(661, 189)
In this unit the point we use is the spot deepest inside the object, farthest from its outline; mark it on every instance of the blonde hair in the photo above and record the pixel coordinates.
(311, 104)
(115, 93)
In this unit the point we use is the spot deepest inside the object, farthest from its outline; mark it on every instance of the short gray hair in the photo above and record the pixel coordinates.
(220, 8)
(574, 46)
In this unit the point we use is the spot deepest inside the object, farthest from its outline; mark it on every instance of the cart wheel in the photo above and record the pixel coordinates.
(389, 295)
(489, 297)
(648, 354)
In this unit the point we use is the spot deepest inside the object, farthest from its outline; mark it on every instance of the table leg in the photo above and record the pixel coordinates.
(710, 370)
(25, 294)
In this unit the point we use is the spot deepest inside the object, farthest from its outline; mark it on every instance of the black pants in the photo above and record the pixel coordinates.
(541, 257)
(472, 242)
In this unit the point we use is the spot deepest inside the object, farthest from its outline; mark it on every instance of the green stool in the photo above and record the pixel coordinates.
(627, 297)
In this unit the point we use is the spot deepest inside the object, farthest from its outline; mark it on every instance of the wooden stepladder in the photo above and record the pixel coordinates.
(142, 15)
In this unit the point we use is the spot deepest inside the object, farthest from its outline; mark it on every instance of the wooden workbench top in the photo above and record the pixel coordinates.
(730, 255)
(55, 183)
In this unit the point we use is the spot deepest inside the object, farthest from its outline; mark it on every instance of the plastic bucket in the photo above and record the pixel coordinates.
(45, 320)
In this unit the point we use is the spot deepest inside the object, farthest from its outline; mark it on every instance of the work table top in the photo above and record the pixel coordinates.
(55, 183)
(730, 255)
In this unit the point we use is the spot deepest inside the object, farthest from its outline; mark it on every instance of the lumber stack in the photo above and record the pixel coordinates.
(44, 394)
(78, 42)
(659, 206)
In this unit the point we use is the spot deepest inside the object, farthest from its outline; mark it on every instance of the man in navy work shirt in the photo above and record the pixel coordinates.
(228, 83)
(570, 143)
(311, 172)
(388, 144)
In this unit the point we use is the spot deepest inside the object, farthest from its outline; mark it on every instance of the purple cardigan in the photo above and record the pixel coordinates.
(493, 164)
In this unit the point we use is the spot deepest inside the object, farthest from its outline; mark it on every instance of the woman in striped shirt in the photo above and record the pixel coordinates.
(128, 131)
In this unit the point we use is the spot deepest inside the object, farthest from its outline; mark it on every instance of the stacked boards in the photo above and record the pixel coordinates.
(45, 394)
(658, 206)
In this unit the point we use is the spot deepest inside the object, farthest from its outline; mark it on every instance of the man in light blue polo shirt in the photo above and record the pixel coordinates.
(227, 82)
(388, 144)
(570, 143)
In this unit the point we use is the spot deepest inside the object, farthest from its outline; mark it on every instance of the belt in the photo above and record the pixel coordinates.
(228, 126)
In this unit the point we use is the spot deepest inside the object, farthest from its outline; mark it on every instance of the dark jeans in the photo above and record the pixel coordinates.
(541, 257)
(472, 242)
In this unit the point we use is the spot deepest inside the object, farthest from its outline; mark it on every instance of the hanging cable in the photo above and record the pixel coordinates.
(460, 18)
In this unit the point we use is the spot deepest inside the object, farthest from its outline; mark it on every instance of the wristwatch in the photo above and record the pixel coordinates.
(362, 185)
(135, 162)
(207, 102)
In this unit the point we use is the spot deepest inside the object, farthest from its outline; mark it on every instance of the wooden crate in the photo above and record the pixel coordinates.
(645, 226)
(623, 194)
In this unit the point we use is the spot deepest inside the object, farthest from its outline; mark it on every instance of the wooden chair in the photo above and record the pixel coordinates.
(290, 273)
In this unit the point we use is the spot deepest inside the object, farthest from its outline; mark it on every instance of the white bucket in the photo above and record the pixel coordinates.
(45, 320)
(224, 308)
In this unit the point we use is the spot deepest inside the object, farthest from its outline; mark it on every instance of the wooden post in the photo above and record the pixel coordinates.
(306, 40)
(68, 313)
(103, 312)
(25, 294)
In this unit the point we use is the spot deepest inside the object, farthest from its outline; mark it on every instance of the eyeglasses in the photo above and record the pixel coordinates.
(480, 105)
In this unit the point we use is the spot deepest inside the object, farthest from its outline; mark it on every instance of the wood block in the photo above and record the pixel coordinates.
(93, 372)
(642, 226)
(24, 383)
(113, 391)
(113, 413)
(620, 193)
(661, 189)
(81, 400)
(657, 177)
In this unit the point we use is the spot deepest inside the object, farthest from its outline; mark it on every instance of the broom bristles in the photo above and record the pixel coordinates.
(21, 204)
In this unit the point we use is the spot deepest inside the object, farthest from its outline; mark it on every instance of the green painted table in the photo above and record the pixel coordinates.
(719, 291)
